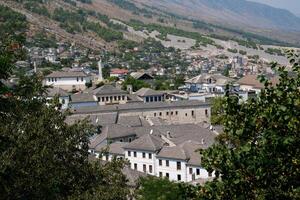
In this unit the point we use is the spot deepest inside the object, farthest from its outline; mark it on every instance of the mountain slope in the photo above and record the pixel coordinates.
(231, 12)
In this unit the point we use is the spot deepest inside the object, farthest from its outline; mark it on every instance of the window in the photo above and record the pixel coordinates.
(103, 99)
(119, 98)
(115, 98)
(99, 99)
(135, 166)
(52, 79)
(160, 174)
(134, 154)
(49, 79)
(147, 99)
(154, 114)
(106, 157)
(129, 153)
(198, 171)
(63, 101)
(150, 168)
(107, 98)
(193, 113)
(110, 98)
(171, 113)
(155, 99)
(55, 79)
(129, 139)
(144, 168)
(150, 155)
(176, 112)
(160, 162)
(82, 79)
(144, 155)
(167, 175)
(123, 98)
(160, 114)
(178, 165)
(209, 174)
(186, 114)
(167, 113)
(151, 99)
(159, 98)
(167, 163)
(191, 170)
(178, 177)
(77, 79)
(206, 112)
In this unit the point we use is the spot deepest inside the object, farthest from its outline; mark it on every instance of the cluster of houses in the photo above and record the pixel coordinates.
(158, 132)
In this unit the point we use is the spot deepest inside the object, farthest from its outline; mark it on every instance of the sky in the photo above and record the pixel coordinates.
(291, 5)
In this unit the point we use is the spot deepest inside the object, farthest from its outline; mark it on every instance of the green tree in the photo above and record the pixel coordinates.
(41, 156)
(157, 188)
(217, 111)
(136, 84)
(258, 155)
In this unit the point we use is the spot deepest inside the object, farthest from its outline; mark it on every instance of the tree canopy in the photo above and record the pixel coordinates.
(258, 155)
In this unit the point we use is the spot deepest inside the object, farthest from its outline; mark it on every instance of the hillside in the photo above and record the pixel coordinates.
(235, 12)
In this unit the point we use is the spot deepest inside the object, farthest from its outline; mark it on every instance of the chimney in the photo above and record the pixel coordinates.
(34, 67)
(151, 132)
(129, 89)
(168, 134)
(202, 141)
(100, 77)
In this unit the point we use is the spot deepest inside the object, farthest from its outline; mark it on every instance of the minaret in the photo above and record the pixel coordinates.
(34, 67)
(100, 77)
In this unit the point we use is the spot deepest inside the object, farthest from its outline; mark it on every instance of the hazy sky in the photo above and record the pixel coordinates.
(292, 5)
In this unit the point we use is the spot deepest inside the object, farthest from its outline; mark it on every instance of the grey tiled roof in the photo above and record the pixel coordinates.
(101, 119)
(82, 97)
(138, 75)
(114, 131)
(58, 74)
(133, 121)
(108, 90)
(114, 148)
(141, 106)
(220, 79)
(147, 142)
(175, 152)
(143, 92)
(51, 92)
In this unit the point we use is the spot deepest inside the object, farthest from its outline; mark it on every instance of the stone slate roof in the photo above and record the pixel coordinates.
(186, 151)
(133, 121)
(218, 78)
(51, 92)
(115, 131)
(108, 90)
(147, 142)
(114, 148)
(82, 97)
(65, 74)
(99, 119)
(132, 98)
(138, 75)
(140, 106)
(143, 92)
(175, 152)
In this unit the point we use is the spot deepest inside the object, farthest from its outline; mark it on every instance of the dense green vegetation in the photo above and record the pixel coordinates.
(41, 39)
(136, 84)
(163, 189)
(164, 30)
(274, 51)
(242, 52)
(127, 5)
(77, 22)
(41, 156)
(232, 50)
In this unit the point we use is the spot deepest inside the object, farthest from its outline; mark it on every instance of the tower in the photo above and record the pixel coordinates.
(100, 77)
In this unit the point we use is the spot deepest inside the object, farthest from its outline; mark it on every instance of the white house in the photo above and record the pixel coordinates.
(63, 96)
(211, 83)
(160, 152)
(68, 80)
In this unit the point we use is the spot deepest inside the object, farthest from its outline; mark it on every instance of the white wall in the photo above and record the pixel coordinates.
(172, 169)
(140, 161)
